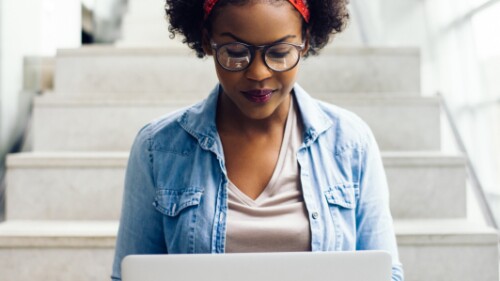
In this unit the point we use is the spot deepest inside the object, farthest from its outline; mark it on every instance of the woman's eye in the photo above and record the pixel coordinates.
(236, 53)
(277, 55)
(279, 52)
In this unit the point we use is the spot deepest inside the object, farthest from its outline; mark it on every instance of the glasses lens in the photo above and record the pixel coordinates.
(234, 56)
(282, 57)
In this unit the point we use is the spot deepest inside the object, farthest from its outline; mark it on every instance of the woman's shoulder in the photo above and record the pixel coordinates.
(165, 130)
(346, 126)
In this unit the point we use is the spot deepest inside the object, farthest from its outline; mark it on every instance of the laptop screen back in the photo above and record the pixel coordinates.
(304, 266)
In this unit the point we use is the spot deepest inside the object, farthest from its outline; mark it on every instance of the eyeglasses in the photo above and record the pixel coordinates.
(237, 56)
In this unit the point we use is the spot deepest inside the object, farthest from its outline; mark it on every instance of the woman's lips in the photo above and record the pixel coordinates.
(258, 95)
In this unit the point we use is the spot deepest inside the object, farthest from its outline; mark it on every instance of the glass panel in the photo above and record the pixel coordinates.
(485, 25)
(476, 3)
(487, 44)
(465, 56)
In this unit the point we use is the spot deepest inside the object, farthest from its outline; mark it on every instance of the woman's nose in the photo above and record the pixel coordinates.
(258, 69)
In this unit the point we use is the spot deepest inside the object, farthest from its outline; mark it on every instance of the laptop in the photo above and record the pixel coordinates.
(303, 266)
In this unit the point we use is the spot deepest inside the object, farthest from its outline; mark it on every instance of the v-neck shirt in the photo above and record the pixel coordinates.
(277, 220)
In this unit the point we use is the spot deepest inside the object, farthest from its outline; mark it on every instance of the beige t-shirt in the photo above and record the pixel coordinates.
(277, 220)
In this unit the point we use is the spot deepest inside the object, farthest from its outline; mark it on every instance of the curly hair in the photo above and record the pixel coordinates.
(186, 18)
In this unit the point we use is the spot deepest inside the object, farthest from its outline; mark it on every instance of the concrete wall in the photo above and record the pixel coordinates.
(2, 184)
(1, 86)
(144, 24)
(30, 28)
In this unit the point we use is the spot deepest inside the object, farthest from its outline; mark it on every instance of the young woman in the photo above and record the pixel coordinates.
(259, 166)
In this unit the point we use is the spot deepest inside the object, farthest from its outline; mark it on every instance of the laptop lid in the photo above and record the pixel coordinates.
(303, 266)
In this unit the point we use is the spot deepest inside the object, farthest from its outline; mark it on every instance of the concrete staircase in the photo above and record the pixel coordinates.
(63, 199)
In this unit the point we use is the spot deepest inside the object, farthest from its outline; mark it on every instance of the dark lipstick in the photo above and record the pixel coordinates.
(258, 95)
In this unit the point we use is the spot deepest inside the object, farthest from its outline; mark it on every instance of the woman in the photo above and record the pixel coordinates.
(258, 166)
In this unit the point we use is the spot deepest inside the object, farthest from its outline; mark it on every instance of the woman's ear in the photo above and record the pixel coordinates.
(306, 42)
(205, 42)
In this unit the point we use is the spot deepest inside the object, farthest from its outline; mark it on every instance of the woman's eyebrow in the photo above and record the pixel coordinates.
(243, 41)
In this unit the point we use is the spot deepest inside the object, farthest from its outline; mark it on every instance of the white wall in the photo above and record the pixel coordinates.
(1, 84)
(144, 23)
(464, 58)
(30, 27)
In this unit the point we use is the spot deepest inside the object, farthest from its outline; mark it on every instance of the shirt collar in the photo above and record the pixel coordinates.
(314, 119)
(200, 121)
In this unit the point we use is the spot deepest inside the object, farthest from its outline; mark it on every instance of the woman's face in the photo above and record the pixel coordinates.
(257, 92)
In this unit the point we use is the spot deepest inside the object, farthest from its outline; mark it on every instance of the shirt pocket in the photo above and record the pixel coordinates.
(172, 202)
(343, 195)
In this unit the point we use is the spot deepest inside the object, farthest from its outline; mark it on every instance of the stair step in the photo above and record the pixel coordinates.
(106, 125)
(49, 250)
(65, 186)
(60, 234)
(62, 186)
(130, 71)
(57, 251)
(427, 185)
(447, 250)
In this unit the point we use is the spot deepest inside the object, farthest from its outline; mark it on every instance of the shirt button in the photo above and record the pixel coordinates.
(315, 215)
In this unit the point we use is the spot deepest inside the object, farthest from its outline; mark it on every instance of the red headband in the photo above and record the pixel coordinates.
(300, 5)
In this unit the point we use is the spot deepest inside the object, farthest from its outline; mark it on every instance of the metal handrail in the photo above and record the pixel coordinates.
(476, 183)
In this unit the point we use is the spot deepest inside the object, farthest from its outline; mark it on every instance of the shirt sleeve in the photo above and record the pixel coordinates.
(141, 226)
(375, 230)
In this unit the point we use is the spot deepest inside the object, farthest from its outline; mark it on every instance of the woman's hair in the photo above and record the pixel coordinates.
(186, 18)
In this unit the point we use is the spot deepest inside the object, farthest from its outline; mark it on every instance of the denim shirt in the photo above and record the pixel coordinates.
(175, 197)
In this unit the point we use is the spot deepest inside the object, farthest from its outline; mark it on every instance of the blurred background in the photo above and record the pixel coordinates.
(424, 74)
(458, 41)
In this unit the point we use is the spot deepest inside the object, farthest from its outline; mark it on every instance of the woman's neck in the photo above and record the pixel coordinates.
(231, 121)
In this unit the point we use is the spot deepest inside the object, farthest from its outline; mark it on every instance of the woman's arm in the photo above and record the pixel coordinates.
(375, 229)
(141, 227)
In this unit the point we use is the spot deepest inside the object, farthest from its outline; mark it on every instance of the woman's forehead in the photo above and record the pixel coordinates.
(257, 22)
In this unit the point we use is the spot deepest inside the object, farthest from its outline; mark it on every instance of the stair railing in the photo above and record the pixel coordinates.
(471, 170)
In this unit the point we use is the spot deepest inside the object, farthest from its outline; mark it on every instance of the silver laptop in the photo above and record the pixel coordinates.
(304, 266)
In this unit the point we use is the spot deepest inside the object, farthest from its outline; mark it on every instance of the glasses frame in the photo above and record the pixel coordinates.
(253, 49)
